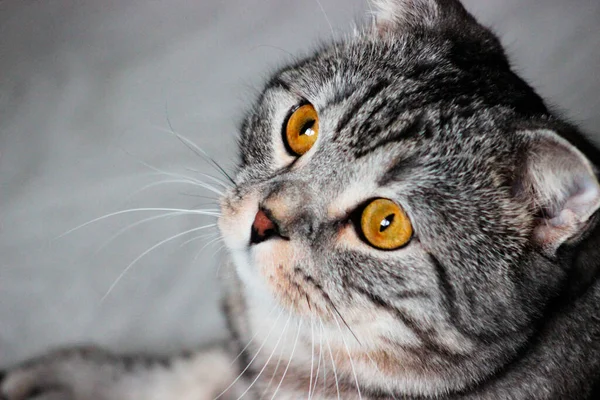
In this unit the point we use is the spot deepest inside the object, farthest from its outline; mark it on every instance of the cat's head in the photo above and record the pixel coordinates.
(407, 183)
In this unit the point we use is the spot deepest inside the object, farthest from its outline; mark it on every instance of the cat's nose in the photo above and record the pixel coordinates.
(263, 228)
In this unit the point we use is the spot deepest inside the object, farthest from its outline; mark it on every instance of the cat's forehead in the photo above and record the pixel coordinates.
(372, 93)
(425, 97)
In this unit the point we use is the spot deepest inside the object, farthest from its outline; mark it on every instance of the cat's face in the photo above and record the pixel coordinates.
(390, 168)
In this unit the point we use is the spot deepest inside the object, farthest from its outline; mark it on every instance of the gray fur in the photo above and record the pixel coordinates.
(495, 296)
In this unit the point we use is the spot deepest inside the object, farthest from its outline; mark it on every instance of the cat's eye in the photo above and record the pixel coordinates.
(301, 129)
(385, 225)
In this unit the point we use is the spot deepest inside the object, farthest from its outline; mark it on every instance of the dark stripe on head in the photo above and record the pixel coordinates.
(417, 127)
(450, 303)
(277, 82)
(447, 291)
(371, 93)
(398, 171)
(338, 98)
(405, 294)
(425, 335)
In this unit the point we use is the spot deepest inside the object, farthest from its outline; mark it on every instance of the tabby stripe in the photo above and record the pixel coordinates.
(446, 289)
(372, 92)
(414, 128)
(277, 83)
(424, 335)
(450, 302)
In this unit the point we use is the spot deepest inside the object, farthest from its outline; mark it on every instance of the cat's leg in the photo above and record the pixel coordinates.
(94, 374)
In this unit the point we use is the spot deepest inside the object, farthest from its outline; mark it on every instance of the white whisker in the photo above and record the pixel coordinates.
(215, 179)
(175, 175)
(207, 212)
(253, 337)
(193, 147)
(272, 376)
(216, 239)
(200, 237)
(274, 373)
(148, 251)
(208, 244)
(349, 356)
(312, 355)
(253, 358)
(128, 227)
(290, 360)
(159, 183)
(337, 385)
(216, 251)
(324, 363)
(269, 358)
(314, 388)
(330, 26)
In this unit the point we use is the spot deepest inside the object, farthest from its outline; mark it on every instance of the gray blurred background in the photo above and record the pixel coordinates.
(87, 90)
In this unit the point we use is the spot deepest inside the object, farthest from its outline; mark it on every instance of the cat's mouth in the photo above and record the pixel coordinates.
(266, 258)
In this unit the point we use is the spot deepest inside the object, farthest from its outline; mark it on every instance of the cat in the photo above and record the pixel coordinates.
(408, 220)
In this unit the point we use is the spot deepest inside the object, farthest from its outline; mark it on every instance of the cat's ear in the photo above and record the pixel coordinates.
(393, 15)
(561, 183)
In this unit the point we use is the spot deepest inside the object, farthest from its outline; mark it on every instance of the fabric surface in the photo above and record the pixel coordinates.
(89, 93)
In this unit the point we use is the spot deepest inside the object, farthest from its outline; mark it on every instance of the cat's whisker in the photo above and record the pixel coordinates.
(200, 237)
(194, 147)
(190, 179)
(215, 240)
(133, 225)
(290, 360)
(252, 338)
(272, 376)
(212, 178)
(330, 27)
(206, 212)
(216, 251)
(323, 357)
(214, 200)
(349, 356)
(110, 289)
(159, 183)
(269, 358)
(274, 373)
(344, 321)
(204, 204)
(312, 354)
(337, 385)
(253, 358)
(175, 175)
(314, 388)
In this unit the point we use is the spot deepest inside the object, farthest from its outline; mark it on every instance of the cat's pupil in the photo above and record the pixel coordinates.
(307, 128)
(386, 222)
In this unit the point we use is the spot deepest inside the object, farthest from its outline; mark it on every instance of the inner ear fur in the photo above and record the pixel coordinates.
(561, 184)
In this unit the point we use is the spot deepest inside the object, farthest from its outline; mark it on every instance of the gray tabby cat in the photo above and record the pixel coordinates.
(408, 221)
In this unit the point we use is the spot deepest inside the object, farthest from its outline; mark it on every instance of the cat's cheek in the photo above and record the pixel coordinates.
(280, 263)
(275, 262)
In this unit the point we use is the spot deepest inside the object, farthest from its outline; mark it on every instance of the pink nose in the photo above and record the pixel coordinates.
(262, 228)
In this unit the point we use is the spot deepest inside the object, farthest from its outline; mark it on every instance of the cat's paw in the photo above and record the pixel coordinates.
(60, 375)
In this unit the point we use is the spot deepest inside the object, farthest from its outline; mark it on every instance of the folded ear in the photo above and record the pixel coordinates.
(560, 182)
(392, 15)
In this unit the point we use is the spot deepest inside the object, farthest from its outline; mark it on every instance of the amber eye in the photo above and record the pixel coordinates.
(302, 129)
(385, 225)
